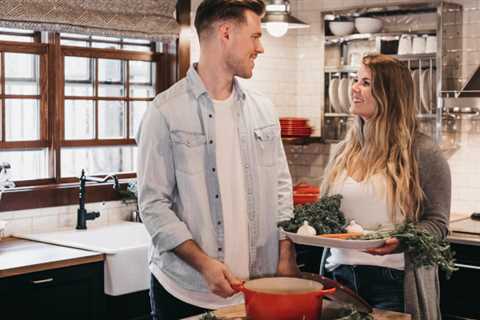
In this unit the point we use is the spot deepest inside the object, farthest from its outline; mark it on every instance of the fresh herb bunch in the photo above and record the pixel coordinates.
(324, 215)
(424, 248)
(356, 315)
(209, 316)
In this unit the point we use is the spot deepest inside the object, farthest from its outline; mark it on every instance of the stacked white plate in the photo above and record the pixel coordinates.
(416, 87)
(427, 89)
(343, 95)
(333, 95)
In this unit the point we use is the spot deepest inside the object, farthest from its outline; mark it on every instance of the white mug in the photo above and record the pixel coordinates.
(405, 44)
(418, 45)
(431, 44)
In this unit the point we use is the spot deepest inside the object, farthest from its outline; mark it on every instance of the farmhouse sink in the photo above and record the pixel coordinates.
(125, 246)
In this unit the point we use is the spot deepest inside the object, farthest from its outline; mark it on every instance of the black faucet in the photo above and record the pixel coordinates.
(82, 214)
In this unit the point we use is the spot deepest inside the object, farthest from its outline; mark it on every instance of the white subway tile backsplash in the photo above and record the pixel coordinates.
(45, 223)
(19, 226)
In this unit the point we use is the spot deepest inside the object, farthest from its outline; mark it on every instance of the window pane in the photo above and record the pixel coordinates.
(108, 90)
(100, 38)
(142, 92)
(105, 45)
(110, 71)
(78, 89)
(22, 119)
(136, 48)
(98, 160)
(67, 42)
(78, 69)
(22, 87)
(79, 119)
(111, 119)
(28, 164)
(137, 109)
(139, 41)
(73, 35)
(6, 37)
(141, 72)
(21, 73)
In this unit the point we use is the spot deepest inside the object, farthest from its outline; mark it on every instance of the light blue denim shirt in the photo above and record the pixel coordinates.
(178, 189)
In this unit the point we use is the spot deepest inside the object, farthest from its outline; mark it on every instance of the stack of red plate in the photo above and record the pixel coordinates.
(304, 193)
(295, 127)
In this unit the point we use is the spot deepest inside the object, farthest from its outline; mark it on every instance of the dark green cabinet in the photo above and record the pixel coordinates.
(67, 293)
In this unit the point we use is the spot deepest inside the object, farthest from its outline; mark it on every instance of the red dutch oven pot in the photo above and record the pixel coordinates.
(282, 298)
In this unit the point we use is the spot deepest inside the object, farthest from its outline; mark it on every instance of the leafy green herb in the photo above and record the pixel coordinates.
(324, 215)
(209, 316)
(356, 315)
(424, 248)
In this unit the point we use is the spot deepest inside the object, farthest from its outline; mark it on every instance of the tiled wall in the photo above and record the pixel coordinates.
(56, 218)
(290, 72)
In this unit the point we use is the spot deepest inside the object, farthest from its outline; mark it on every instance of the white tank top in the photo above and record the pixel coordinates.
(366, 203)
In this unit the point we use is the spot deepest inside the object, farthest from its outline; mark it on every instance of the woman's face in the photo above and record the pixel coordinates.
(364, 104)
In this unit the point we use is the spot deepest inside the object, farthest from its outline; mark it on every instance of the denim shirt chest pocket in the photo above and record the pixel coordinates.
(189, 151)
(266, 144)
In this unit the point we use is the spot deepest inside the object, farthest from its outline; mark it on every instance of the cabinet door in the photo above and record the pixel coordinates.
(67, 293)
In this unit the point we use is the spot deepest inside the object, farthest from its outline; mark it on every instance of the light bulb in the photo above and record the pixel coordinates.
(277, 29)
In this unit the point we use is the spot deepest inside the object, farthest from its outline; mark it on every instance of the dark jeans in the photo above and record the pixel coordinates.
(381, 287)
(167, 307)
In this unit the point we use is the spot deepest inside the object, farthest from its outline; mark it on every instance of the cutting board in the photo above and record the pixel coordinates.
(330, 312)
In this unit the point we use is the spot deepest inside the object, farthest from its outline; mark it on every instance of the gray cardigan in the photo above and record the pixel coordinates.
(422, 289)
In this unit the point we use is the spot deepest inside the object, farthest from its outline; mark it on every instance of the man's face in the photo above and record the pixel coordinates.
(244, 45)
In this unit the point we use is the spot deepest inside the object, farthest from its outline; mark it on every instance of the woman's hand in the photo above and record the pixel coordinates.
(390, 246)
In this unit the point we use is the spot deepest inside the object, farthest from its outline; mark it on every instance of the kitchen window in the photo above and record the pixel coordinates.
(73, 102)
(104, 99)
(23, 104)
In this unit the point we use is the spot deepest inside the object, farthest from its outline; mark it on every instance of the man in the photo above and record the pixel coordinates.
(212, 174)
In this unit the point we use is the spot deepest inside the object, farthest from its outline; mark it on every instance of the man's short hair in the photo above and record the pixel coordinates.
(210, 11)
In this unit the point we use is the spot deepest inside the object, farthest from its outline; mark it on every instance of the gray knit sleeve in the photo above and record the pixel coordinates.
(435, 180)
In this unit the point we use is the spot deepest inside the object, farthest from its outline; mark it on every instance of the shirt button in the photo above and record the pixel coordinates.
(220, 249)
(216, 196)
(219, 222)
(210, 115)
(213, 169)
(211, 141)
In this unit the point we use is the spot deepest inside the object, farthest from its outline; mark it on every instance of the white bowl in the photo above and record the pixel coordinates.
(341, 28)
(368, 25)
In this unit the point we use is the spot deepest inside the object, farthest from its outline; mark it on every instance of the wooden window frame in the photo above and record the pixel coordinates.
(57, 191)
(174, 62)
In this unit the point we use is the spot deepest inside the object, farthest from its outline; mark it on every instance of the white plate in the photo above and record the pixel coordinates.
(317, 241)
(333, 95)
(425, 90)
(416, 89)
(343, 95)
(350, 99)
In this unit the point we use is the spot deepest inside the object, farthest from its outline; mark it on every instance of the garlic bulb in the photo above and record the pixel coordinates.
(306, 230)
(354, 227)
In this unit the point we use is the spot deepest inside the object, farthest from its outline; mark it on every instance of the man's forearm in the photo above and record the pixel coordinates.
(191, 253)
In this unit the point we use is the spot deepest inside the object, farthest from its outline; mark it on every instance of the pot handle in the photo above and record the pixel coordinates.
(238, 287)
(326, 292)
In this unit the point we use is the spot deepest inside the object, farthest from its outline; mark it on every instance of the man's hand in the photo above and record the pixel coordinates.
(218, 277)
(215, 273)
(287, 261)
(390, 246)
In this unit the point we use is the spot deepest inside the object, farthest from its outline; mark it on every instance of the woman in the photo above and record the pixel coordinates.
(388, 173)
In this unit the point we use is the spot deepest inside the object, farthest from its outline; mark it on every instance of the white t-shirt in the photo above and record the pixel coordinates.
(234, 207)
(366, 203)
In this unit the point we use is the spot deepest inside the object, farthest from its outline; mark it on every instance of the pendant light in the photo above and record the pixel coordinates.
(277, 19)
